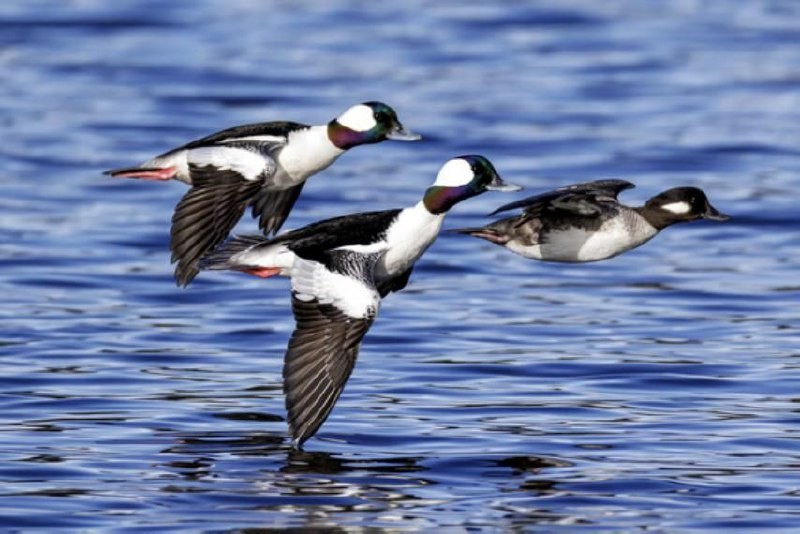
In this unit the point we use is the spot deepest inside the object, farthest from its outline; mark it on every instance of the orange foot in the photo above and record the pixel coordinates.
(263, 272)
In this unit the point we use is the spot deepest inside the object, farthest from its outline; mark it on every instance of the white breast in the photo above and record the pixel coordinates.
(307, 152)
(408, 238)
(577, 245)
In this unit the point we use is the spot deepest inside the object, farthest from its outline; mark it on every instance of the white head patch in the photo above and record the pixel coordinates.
(454, 173)
(358, 118)
(678, 208)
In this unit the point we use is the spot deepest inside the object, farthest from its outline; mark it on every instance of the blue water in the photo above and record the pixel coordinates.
(658, 390)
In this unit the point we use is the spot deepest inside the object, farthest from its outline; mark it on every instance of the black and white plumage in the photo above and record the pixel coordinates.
(334, 305)
(585, 222)
(340, 269)
(264, 165)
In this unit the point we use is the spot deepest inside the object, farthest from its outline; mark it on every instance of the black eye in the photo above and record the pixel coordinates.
(382, 117)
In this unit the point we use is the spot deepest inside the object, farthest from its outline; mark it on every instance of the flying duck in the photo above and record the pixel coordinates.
(340, 270)
(585, 222)
(264, 164)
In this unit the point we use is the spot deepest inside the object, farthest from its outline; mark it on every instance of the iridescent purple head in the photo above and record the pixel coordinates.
(461, 178)
(370, 122)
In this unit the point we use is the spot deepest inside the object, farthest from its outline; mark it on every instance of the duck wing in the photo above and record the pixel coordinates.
(580, 199)
(590, 200)
(205, 216)
(272, 208)
(334, 302)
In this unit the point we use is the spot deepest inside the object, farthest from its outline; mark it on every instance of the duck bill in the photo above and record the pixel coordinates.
(499, 185)
(712, 214)
(398, 133)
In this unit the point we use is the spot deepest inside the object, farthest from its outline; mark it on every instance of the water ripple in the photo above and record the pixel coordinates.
(657, 390)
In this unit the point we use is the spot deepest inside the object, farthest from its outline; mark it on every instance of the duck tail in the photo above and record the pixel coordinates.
(227, 255)
(144, 173)
(485, 232)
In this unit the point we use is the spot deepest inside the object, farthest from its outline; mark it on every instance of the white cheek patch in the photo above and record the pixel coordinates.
(358, 118)
(454, 173)
(678, 208)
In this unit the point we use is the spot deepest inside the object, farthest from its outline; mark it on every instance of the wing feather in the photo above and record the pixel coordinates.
(334, 305)
(321, 355)
(277, 129)
(205, 216)
(272, 208)
(570, 198)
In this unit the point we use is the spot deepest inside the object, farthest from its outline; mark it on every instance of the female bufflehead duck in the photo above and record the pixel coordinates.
(264, 164)
(585, 222)
(340, 269)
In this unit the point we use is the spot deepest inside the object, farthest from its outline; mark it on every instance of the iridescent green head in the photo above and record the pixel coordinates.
(370, 122)
(461, 178)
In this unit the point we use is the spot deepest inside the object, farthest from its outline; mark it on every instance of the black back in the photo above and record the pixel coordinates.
(570, 197)
(276, 128)
(586, 205)
(312, 241)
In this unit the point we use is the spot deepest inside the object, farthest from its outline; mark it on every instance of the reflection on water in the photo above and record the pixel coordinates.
(657, 390)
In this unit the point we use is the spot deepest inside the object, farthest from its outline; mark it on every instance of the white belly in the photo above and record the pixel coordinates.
(577, 245)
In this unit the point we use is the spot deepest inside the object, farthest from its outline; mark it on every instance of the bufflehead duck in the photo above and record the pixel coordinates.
(585, 222)
(340, 269)
(264, 164)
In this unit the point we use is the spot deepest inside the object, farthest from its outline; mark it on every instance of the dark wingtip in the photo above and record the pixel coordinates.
(271, 225)
(272, 208)
(184, 274)
(298, 439)
(509, 206)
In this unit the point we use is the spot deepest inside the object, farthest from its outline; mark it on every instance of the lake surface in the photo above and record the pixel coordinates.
(656, 391)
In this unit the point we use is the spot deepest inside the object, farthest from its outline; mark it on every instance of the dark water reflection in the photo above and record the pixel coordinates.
(658, 390)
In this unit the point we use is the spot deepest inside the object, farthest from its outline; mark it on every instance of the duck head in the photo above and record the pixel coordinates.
(462, 178)
(681, 204)
(370, 122)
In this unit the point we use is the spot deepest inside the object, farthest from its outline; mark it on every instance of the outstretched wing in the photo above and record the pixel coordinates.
(334, 304)
(321, 355)
(205, 216)
(583, 199)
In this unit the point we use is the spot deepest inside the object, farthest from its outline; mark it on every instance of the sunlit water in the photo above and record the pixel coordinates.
(658, 389)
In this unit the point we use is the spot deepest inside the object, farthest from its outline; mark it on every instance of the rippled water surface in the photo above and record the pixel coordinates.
(656, 390)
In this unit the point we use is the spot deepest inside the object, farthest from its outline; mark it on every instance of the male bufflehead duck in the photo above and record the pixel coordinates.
(585, 222)
(264, 164)
(340, 269)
